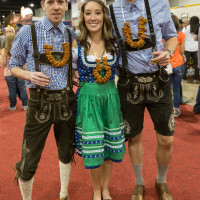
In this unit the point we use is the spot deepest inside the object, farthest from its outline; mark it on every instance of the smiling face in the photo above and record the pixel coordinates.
(55, 10)
(93, 17)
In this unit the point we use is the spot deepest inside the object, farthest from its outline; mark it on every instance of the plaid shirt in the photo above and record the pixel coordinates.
(139, 61)
(22, 51)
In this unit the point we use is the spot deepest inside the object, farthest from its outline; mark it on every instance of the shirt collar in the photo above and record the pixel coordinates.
(128, 5)
(49, 26)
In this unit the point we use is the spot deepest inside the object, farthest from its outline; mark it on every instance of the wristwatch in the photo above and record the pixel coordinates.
(170, 52)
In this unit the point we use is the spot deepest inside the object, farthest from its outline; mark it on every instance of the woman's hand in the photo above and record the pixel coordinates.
(75, 77)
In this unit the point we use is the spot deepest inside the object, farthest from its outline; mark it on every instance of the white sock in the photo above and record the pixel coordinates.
(65, 171)
(26, 188)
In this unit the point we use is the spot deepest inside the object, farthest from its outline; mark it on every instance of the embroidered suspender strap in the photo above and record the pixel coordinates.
(120, 40)
(150, 22)
(69, 75)
(36, 53)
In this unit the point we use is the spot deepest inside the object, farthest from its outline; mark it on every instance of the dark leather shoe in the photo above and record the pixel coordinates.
(138, 193)
(163, 191)
(65, 198)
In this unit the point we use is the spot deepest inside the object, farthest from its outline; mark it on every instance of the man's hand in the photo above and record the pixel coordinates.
(75, 78)
(38, 78)
(161, 57)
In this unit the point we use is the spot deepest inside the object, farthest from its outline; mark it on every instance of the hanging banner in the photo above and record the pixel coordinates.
(186, 12)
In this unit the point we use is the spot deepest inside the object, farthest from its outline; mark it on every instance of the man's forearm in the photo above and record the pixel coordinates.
(20, 73)
(171, 44)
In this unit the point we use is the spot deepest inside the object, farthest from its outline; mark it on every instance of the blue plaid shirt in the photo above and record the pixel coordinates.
(139, 61)
(22, 51)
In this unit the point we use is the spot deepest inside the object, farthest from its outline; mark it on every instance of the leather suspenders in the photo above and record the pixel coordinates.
(149, 42)
(40, 58)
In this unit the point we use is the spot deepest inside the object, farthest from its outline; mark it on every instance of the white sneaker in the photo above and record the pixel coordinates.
(177, 113)
(25, 107)
(12, 108)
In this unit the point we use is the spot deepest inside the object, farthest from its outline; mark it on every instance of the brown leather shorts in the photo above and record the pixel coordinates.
(151, 91)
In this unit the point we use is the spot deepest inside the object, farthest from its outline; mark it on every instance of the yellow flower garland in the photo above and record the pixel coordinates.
(99, 67)
(51, 59)
(141, 29)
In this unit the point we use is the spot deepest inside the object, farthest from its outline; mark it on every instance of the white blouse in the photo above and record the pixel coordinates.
(90, 58)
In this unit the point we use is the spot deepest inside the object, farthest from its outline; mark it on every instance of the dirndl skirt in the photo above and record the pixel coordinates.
(99, 124)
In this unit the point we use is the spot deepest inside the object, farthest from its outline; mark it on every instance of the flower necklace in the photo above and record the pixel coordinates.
(51, 59)
(99, 67)
(128, 34)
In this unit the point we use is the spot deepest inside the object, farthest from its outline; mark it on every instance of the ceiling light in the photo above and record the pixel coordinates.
(31, 5)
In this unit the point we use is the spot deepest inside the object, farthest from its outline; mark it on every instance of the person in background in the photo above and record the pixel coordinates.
(196, 108)
(181, 24)
(183, 100)
(191, 47)
(15, 85)
(177, 62)
(144, 83)
(52, 101)
(2, 39)
(185, 23)
(99, 122)
(8, 30)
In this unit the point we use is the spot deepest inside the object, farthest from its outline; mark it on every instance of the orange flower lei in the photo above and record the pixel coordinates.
(141, 29)
(98, 68)
(51, 59)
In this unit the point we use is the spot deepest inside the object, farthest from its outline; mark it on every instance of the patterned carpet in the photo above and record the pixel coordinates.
(183, 174)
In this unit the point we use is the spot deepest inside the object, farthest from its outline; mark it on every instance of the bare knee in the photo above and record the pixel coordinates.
(110, 162)
(165, 142)
(135, 140)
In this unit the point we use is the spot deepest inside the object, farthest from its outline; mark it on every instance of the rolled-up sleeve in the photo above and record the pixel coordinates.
(19, 48)
(168, 28)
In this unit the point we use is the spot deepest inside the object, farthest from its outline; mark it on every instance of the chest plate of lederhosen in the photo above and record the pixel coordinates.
(148, 44)
(56, 54)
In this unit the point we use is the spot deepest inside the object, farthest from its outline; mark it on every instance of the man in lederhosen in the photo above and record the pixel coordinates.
(139, 27)
(46, 48)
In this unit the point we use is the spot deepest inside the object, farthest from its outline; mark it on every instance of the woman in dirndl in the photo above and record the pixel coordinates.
(99, 122)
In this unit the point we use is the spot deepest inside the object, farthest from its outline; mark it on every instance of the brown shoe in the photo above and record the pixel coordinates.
(65, 198)
(163, 191)
(138, 193)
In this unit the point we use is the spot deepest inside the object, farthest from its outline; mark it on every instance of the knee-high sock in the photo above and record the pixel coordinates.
(162, 172)
(65, 171)
(139, 180)
(26, 188)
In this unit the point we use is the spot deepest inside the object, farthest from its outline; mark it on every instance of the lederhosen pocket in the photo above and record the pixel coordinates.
(43, 115)
(67, 108)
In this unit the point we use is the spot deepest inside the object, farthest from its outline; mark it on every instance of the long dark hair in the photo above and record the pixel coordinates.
(194, 21)
(107, 33)
(176, 22)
